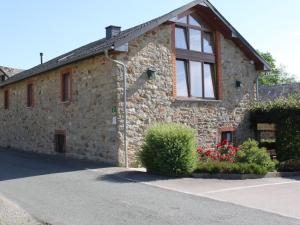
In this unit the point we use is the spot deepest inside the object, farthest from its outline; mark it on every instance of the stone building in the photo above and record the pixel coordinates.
(7, 72)
(189, 66)
(270, 93)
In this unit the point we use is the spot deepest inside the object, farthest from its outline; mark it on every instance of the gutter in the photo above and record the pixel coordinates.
(125, 103)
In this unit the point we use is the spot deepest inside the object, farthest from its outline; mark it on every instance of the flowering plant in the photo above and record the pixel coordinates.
(224, 151)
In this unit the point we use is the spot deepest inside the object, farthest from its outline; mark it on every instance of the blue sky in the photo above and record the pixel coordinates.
(56, 26)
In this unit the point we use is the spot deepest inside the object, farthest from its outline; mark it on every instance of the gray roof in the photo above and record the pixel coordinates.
(9, 71)
(98, 47)
(269, 93)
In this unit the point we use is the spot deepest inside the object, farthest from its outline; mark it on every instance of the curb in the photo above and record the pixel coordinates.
(244, 176)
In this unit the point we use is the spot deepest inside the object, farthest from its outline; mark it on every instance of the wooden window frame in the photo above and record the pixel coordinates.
(187, 55)
(6, 102)
(62, 86)
(227, 130)
(60, 132)
(30, 103)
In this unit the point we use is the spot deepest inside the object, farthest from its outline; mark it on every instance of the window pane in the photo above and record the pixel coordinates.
(195, 40)
(182, 20)
(228, 136)
(193, 21)
(29, 95)
(196, 79)
(66, 87)
(181, 38)
(208, 43)
(181, 80)
(6, 100)
(208, 81)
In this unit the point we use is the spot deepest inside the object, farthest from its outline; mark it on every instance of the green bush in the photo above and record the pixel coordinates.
(292, 165)
(285, 113)
(250, 153)
(268, 144)
(169, 149)
(213, 167)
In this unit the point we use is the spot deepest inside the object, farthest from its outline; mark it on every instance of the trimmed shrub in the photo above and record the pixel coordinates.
(285, 113)
(250, 153)
(292, 165)
(169, 149)
(213, 167)
(268, 144)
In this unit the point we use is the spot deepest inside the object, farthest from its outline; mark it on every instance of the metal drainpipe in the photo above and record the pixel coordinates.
(257, 87)
(125, 104)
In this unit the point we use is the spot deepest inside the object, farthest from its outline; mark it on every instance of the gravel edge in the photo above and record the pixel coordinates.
(12, 214)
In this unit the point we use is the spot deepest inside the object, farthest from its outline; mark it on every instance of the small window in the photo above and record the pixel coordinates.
(6, 99)
(66, 87)
(195, 40)
(194, 21)
(196, 79)
(181, 78)
(181, 41)
(60, 142)
(209, 91)
(30, 95)
(208, 42)
(182, 20)
(227, 136)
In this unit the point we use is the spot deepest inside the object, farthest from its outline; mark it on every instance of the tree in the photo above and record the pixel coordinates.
(277, 75)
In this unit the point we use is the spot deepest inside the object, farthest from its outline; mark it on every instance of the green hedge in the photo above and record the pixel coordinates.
(285, 113)
(169, 149)
(251, 153)
(292, 165)
(214, 167)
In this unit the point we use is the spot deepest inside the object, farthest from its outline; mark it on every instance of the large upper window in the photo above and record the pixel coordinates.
(195, 64)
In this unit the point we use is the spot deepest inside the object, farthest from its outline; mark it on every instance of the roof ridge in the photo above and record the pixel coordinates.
(101, 45)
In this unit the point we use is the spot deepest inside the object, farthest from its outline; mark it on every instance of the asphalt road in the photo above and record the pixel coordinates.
(63, 191)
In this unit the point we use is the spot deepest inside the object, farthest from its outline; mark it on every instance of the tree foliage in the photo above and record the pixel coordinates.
(277, 75)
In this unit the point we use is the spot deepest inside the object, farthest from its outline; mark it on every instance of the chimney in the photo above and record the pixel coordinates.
(112, 31)
(41, 57)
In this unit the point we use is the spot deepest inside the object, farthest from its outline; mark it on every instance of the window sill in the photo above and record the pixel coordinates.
(184, 99)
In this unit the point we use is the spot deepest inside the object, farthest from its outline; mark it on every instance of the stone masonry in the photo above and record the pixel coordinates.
(97, 88)
(151, 101)
(86, 120)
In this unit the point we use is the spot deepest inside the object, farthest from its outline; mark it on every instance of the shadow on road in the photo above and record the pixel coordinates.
(17, 164)
(138, 176)
(132, 176)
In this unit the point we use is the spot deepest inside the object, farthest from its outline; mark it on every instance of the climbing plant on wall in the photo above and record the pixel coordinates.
(285, 113)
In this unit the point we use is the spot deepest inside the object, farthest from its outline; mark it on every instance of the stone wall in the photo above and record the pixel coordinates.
(86, 120)
(98, 87)
(151, 101)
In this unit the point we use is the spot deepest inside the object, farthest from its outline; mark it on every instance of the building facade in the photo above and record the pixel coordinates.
(189, 66)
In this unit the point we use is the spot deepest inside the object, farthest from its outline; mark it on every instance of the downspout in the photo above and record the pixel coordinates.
(125, 103)
(257, 87)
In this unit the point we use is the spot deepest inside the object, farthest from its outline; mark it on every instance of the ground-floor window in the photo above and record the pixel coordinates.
(227, 136)
(60, 141)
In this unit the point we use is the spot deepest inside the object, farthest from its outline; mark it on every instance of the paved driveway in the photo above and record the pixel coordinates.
(276, 195)
(73, 192)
